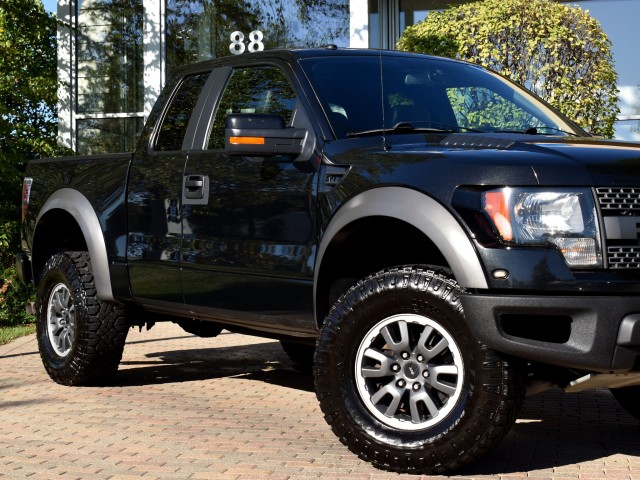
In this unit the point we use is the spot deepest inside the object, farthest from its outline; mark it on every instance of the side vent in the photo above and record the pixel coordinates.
(333, 176)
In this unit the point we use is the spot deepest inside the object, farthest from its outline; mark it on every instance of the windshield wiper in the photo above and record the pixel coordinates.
(408, 127)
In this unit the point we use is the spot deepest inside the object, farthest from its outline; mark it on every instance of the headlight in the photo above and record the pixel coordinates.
(565, 218)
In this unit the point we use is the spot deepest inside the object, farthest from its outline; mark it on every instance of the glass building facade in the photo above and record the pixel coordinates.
(114, 56)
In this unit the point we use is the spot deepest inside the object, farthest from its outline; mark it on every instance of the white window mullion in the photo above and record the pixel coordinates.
(154, 59)
(359, 24)
(67, 63)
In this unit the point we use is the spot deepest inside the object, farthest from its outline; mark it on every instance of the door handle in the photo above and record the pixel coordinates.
(195, 189)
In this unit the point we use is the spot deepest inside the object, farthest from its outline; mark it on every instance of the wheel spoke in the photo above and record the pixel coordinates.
(396, 394)
(54, 324)
(434, 381)
(385, 364)
(63, 340)
(422, 396)
(434, 351)
(403, 343)
(61, 320)
(58, 303)
(66, 298)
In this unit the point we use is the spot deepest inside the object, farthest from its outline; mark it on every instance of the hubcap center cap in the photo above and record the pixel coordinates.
(411, 370)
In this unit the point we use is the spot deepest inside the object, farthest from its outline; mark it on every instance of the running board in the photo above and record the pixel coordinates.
(603, 380)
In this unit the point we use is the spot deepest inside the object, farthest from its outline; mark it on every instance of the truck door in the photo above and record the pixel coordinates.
(248, 239)
(154, 197)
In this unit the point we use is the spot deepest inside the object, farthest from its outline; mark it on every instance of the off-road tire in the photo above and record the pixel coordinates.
(412, 306)
(80, 337)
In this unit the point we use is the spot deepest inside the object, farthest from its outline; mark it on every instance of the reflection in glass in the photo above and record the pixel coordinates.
(176, 120)
(109, 50)
(425, 93)
(253, 90)
(201, 29)
(107, 135)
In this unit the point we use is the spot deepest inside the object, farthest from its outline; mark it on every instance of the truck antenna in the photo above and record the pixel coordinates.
(385, 143)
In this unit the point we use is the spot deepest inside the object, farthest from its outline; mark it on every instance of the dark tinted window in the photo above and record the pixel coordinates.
(424, 93)
(174, 124)
(253, 90)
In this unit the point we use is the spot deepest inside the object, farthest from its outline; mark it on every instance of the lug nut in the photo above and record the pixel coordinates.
(401, 383)
(395, 367)
(420, 358)
(425, 374)
(405, 355)
(416, 387)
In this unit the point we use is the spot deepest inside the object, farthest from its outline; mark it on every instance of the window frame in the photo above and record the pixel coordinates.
(221, 97)
(190, 130)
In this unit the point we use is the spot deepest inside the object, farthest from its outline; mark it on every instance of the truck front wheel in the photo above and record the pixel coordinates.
(402, 382)
(80, 337)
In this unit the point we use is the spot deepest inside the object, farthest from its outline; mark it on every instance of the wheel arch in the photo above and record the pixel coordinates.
(69, 210)
(429, 226)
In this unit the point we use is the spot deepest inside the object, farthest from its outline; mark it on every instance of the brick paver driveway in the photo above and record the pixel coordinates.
(233, 407)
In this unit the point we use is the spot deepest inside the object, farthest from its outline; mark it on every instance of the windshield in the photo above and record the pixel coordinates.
(422, 93)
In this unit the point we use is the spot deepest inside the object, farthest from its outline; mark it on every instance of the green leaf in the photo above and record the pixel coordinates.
(558, 51)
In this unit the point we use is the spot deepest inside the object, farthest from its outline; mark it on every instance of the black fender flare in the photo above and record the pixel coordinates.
(78, 206)
(425, 214)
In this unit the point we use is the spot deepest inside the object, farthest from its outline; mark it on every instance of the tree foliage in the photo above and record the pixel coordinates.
(28, 125)
(557, 51)
(27, 80)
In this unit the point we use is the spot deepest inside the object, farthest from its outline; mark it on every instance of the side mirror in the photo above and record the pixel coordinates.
(261, 135)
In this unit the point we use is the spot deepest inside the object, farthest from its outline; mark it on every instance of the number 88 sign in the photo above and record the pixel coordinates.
(238, 46)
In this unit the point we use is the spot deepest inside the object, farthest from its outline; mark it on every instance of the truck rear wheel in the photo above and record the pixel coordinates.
(80, 337)
(402, 382)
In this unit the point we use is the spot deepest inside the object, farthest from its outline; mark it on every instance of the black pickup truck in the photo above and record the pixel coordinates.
(433, 240)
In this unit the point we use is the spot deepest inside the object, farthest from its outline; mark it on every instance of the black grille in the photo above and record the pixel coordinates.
(618, 199)
(621, 201)
(624, 257)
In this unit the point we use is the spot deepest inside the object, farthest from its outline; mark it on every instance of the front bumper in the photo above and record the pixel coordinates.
(585, 332)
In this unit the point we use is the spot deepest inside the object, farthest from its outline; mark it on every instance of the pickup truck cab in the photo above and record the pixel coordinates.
(432, 238)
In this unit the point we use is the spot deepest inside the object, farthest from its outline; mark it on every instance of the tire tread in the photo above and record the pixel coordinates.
(492, 419)
(101, 327)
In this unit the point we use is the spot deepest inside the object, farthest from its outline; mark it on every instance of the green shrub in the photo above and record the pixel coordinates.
(14, 297)
(8, 241)
(557, 51)
(28, 129)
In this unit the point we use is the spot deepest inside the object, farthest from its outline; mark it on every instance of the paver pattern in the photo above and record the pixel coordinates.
(234, 408)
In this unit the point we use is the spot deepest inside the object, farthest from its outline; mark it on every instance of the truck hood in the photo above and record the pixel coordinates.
(552, 160)
(440, 163)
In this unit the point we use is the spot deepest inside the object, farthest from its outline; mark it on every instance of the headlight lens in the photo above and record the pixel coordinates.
(565, 218)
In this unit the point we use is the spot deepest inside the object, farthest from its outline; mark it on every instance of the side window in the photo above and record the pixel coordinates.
(174, 124)
(253, 90)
